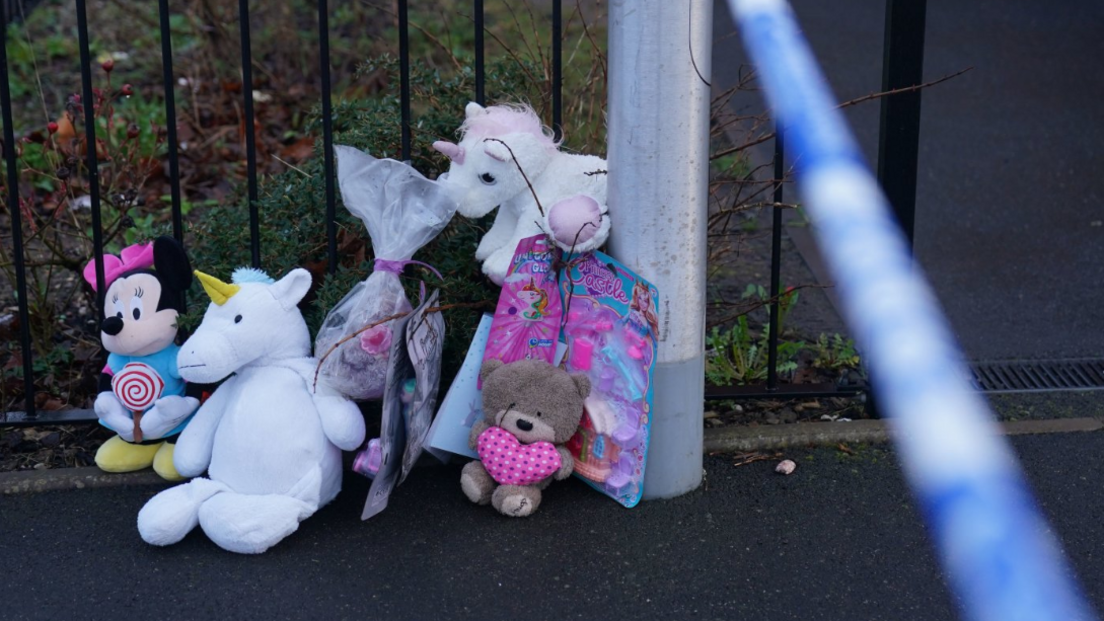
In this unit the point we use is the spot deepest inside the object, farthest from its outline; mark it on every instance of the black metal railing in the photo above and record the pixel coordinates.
(897, 162)
(898, 149)
(30, 415)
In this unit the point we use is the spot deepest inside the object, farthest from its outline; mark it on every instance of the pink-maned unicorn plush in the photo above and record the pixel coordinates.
(501, 148)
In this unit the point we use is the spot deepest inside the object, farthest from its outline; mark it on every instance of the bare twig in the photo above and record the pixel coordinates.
(851, 102)
(34, 64)
(898, 91)
(743, 459)
(290, 165)
(428, 35)
(594, 43)
(434, 309)
(523, 175)
(747, 145)
(521, 65)
(536, 36)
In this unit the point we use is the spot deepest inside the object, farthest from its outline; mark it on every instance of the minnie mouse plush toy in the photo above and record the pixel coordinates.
(141, 392)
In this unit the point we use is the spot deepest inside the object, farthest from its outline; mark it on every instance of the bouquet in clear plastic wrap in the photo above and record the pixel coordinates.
(402, 211)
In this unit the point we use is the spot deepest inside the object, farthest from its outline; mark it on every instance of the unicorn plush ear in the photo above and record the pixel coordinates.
(496, 150)
(473, 110)
(290, 289)
(532, 155)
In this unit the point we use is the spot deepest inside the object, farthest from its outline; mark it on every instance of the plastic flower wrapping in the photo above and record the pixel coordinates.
(402, 211)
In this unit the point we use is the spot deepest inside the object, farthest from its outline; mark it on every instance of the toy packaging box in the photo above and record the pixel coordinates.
(595, 317)
(526, 323)
(610, 332)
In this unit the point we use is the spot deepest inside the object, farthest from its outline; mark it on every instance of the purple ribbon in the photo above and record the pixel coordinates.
(396, 267)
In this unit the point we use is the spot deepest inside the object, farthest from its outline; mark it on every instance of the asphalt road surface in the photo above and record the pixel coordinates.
(839, 539)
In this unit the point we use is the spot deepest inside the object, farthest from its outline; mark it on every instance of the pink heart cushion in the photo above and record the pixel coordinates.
(509, 462)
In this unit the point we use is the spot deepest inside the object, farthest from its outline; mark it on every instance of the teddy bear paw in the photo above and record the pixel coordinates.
(477, 484)
(516, 501)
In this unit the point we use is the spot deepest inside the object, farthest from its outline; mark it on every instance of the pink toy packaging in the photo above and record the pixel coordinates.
(610, 329)
(526, 324)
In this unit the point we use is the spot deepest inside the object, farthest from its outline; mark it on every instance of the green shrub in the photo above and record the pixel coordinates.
(292, 209)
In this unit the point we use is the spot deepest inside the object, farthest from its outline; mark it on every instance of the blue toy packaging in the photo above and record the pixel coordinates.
(610, 330)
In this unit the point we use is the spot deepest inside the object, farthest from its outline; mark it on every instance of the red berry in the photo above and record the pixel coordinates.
(132, 131)
(52, 127)
(127, 90)
(108, 65)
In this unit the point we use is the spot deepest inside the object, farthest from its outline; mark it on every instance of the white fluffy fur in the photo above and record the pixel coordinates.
(270, 445)
(557, 178)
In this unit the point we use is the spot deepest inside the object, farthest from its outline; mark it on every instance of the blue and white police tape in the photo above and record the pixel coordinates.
(1003, 561)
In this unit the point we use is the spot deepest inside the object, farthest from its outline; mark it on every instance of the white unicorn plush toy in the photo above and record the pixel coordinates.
(503, 151)
(270, 443)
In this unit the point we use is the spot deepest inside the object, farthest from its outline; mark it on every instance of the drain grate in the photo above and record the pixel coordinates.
(1038, 375)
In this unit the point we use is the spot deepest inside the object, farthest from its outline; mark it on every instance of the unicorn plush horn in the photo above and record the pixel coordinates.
(219, 291)
(453, 151)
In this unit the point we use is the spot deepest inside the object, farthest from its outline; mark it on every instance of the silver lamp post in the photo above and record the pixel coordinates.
(658, 114)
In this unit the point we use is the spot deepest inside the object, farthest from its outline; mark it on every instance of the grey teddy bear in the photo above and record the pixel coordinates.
(538, 404)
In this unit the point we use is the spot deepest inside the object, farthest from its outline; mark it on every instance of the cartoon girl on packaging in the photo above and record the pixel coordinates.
(142, 396)
(642, 310)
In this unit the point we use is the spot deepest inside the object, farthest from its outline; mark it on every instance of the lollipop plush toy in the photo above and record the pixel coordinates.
(141, 392)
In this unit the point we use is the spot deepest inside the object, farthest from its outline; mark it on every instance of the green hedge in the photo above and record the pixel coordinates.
(292, 206)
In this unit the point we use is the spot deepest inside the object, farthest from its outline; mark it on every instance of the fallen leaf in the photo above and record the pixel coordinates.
(15, 361)
(805, 375)
(48, 403)
(743, 459)
(65, 131)
(299, 150)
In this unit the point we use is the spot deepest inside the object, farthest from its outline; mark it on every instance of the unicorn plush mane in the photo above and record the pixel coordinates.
(503, 119)
(250, 274)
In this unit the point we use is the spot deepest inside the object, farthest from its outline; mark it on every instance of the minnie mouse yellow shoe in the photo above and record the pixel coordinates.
(118, 455)
(163, 463)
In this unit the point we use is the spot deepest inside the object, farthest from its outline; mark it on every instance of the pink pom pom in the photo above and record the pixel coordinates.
(575, 220)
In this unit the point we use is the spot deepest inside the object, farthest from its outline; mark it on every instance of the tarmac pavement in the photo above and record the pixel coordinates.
(839, 539)
(1007, 201)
